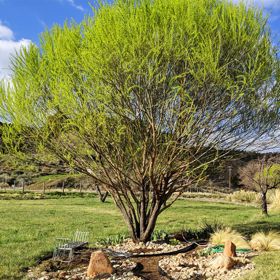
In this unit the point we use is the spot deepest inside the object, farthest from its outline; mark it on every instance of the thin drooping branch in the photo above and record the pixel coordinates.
(146, 105)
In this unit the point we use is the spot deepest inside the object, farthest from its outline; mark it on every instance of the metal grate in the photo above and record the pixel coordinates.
(65, 247)
(81, 236)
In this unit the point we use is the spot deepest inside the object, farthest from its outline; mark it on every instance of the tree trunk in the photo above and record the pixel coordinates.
(146, 234)
(139, 234)
(102, 196)
(142, 228)
(140, 208)
(264, 203)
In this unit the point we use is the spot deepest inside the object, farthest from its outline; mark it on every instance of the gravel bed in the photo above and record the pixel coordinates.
(180, 267)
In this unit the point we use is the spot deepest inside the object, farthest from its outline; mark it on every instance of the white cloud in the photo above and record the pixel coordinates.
(267, 4)
(5, 32)
(75, 5)
(8, 48)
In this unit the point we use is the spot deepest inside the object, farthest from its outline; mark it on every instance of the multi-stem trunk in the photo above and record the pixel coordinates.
(143, 232)
(141, 220)
(148, 222)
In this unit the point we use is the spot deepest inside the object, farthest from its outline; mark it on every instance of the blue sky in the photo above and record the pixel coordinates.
(21, 21)
(28, 18)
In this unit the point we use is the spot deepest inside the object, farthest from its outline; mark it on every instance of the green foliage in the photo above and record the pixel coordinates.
(51, 177)
(160, 235)
(84, 78)
(261, 176)
(112, 240)
(204, 231)
(174, 242)
(272, 173)
(144, 95)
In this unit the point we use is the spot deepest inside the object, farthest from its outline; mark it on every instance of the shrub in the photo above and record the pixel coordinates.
(208, 228)
(265, 241)
(275, 201)
(203, 232)
(244, 196)
(4, 186)
(221, 236)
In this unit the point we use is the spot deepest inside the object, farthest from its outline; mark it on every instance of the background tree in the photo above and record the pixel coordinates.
(146, 95)
(261, 176)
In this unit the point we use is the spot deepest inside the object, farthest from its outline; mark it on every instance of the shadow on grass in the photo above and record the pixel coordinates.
(218, 207)
(256, 226)
(7, 277)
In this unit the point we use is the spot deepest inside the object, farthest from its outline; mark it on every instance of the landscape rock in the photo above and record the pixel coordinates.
(218, 262)
(185, 266)
(62, 274)
(222, 262)
(230, 249)
(228, 263)
(99, 264)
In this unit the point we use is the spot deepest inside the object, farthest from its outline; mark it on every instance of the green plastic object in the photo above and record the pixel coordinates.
(217, 249)
(220, 249)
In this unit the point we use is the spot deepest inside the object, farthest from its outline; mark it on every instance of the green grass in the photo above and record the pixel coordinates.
(29, 227)
(267, 267)
(18, 195)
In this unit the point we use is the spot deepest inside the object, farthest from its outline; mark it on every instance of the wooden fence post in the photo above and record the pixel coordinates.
(229, 177)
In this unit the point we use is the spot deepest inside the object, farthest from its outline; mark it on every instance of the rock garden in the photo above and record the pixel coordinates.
(134, 116)
(226, 255)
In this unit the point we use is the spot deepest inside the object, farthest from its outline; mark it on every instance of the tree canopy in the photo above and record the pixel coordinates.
(145, 95)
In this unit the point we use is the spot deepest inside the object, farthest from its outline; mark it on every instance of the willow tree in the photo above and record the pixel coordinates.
(261, 175)
(145, 95)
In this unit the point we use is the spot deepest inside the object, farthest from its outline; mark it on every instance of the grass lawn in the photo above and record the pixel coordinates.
(267, 267)
(29, 227)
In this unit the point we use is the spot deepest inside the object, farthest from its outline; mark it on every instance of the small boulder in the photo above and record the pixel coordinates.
(223, 262)
(230, 249)
(218, 262)
(99, 264)
(229, 263)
